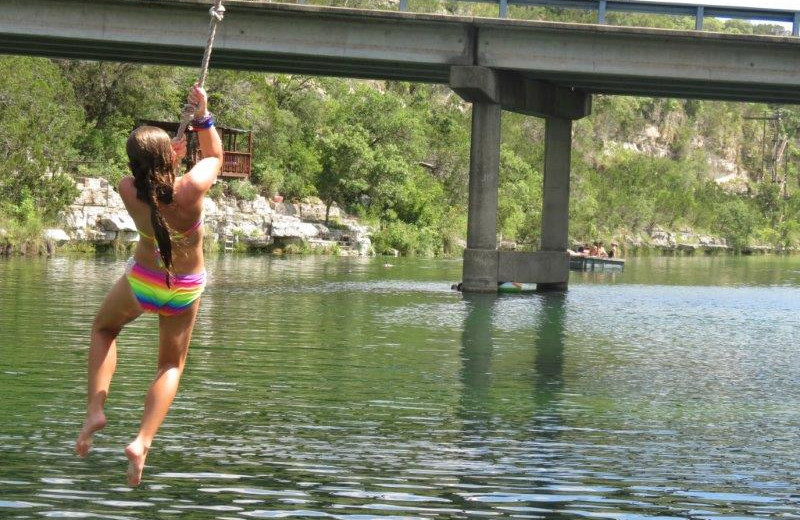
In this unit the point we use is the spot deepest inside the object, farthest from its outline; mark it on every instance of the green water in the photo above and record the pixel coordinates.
(344, 388)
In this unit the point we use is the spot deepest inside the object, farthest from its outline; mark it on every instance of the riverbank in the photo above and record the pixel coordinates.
(97, 221)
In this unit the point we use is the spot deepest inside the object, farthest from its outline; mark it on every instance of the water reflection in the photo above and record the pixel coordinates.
(476, 356)
(549, 343)
(492, 416)
(547, 390)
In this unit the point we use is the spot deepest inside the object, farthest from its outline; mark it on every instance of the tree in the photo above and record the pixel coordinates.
(346, 161)
(40, 119)
(736, 221)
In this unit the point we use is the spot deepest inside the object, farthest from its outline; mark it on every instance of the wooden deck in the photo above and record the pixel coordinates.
(237, 147)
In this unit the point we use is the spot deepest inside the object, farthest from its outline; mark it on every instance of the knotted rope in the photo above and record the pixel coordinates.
(217, 12)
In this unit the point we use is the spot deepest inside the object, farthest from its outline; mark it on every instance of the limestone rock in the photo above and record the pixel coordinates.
(313, 209)
(209, 206)
(98, 216)
(261, 206)
(54, 235)
(660, 238)
(284, 208)
(507, 245)
(117, 222)
(128, 237)
(284, 226)
(364, 246)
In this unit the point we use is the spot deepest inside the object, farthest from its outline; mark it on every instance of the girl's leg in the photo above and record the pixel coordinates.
(175, 332)
(118, 308)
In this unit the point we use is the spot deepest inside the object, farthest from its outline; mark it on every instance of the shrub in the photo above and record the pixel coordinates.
(408, 239)
(217, 190)
(268, 175)
(736, 221)
(243, 190)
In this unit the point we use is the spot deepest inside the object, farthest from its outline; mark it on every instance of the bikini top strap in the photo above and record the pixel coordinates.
(176, 236)
(194, 227)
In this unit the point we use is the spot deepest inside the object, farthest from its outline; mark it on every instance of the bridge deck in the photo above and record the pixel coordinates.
(406, 46)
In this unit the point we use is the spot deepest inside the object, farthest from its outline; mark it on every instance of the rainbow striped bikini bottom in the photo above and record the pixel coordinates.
(151, 291)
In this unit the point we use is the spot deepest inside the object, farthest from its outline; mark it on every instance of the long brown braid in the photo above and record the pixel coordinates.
(150, 155)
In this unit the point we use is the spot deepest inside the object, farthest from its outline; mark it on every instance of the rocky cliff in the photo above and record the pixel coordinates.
(98, 217)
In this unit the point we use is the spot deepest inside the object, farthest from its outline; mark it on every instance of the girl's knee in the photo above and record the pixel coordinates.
(172, 358)
(171, 367)
(104, 329)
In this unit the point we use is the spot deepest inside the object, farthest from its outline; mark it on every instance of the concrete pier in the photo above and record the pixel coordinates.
(480, 257)
(555, 194)
(489, 91)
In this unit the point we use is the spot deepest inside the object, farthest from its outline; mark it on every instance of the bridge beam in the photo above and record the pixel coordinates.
(517, 93)
(489, 91)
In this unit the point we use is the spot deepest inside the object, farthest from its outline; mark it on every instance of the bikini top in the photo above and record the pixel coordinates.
(175, 235)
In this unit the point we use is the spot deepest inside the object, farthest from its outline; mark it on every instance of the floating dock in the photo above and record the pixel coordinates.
(591, 263)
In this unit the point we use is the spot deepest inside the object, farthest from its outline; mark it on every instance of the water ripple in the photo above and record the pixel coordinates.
(319, 387)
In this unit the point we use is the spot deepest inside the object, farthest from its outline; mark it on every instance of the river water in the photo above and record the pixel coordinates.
(347, 388)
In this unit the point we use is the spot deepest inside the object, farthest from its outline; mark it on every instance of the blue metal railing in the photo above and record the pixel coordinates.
(698, 10)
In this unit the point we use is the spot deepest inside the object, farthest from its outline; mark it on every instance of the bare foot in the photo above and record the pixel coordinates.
(93, 423)
(136, 453)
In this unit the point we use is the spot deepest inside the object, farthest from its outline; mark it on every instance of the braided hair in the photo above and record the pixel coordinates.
(150, 159)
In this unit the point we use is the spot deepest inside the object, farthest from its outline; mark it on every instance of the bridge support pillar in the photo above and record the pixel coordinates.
(555, 193)
(490, 92)
(480, 257)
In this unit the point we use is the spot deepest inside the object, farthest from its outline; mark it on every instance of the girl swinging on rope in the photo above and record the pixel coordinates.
(166, 274)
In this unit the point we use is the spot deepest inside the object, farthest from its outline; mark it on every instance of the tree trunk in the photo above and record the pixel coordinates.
(328, 211)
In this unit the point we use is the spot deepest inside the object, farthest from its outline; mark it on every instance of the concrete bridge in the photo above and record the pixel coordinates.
(543, 69)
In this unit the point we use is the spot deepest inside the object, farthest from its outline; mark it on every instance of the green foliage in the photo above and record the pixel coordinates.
(243, 190)
(736, 221)
(519, 213)
(408, 239)
(34, 96)
(217, 190)
(346, 161)
(268, 175)
(22, 222)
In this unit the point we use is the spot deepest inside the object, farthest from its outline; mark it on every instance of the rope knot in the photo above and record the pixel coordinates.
(217, 12)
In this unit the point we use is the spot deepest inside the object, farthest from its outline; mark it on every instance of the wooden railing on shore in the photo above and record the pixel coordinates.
(236, 164)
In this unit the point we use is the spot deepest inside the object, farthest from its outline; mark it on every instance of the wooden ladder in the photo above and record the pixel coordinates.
(228, 242)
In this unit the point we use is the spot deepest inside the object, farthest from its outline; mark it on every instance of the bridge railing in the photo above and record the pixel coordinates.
(697, 10)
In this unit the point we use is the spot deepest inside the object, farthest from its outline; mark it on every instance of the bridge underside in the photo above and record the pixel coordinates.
(406, 46)
(543, 69)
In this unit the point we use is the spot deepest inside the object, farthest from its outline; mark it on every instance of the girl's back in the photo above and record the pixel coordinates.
(184, 219)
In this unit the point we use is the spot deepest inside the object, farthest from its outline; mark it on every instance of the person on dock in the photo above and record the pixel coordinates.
(166, 274)
(614, 251)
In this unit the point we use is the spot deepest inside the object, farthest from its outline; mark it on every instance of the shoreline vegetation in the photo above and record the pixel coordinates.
(660, 176)
(46, 247)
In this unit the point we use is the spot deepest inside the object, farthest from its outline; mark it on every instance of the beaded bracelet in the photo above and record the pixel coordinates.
(203, 123)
